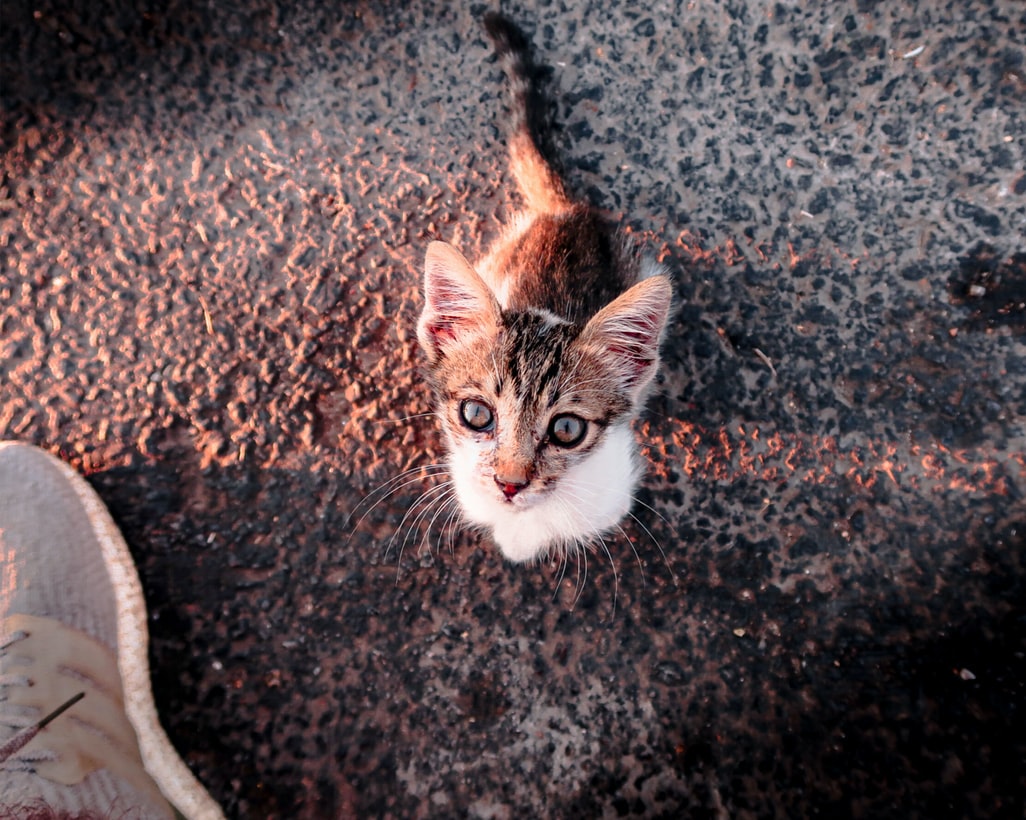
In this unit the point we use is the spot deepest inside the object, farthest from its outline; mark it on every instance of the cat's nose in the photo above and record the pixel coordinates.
(510, 488)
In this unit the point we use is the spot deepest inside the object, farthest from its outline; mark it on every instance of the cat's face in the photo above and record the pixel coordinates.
(530, 405)
(523, 403)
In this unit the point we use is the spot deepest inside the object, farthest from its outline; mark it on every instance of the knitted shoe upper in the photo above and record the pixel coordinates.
(74, 617)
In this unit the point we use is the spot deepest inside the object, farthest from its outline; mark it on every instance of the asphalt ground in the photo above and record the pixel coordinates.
(212, 217)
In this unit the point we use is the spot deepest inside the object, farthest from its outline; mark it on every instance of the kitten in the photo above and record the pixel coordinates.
(541, 355)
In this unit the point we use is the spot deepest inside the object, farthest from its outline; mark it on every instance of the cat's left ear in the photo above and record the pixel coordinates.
(457, 302)
(626, 333)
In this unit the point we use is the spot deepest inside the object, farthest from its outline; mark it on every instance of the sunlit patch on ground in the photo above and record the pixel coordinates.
(747, 451)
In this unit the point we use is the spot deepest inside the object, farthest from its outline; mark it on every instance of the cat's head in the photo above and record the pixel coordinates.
(525, 398)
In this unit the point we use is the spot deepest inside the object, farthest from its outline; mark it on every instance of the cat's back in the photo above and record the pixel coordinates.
(559, 255)
(570, 263)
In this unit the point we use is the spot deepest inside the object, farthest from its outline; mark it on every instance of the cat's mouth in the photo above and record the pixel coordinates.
(521, 500)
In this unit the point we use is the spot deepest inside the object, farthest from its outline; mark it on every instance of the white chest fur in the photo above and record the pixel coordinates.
(588, 501)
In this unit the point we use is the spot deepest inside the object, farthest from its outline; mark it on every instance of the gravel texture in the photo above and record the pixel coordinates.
(212, 217)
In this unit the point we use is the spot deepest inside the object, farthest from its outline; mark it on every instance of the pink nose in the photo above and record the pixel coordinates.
(510, 488)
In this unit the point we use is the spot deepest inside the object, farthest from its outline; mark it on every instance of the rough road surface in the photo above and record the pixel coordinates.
(212, 217)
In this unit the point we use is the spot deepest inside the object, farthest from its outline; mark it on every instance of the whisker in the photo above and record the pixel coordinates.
(445, 499)
(432, 508)
(578, 545)
(616, 577)
(431, 493)
(417, 468)
(452, 523)
(405, 419)
(637, 556)
(658, 546)
(563, 563)
(582, 557)
(392, 486)
(650, 508)
(439, 501)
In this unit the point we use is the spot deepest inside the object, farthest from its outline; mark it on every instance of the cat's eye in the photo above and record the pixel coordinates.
(476, 415)
(567, 430)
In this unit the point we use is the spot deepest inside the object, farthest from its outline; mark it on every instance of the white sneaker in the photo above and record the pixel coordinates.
(73, 621)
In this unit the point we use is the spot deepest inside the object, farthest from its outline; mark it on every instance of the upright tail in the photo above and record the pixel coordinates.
(541, 185)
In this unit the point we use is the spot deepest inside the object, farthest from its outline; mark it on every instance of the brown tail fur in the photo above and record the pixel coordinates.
(540, 184)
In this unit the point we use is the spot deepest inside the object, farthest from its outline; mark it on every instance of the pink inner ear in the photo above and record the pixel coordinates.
(448, 310)
(442, 331)
(633, 345)
(445, 298)
(631, 356)
(453, 313)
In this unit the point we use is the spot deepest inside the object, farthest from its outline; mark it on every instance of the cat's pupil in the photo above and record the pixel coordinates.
(476, 415)
(567, 430)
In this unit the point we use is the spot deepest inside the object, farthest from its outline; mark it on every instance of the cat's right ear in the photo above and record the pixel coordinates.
(457, 302)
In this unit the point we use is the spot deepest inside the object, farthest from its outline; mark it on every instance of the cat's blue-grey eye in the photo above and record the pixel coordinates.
(477, 415)
(567, 430)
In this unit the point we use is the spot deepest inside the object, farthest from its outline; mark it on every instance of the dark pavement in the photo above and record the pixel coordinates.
(212, 217)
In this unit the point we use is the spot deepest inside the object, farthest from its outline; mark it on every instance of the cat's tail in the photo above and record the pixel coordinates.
(540, 184)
